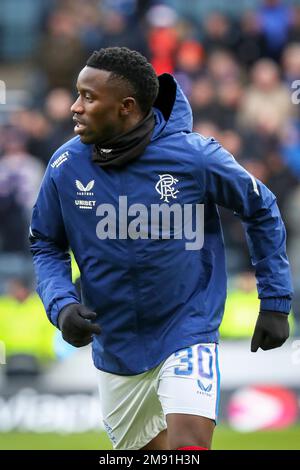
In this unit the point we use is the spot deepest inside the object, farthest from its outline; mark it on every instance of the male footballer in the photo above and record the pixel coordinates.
(134, 195)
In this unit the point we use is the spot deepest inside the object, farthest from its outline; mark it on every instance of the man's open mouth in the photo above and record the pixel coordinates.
(79, 126)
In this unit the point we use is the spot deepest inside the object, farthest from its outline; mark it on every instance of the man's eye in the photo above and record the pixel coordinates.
(85, 95)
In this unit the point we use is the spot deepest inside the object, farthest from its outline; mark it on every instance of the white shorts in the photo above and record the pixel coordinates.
(134, 408)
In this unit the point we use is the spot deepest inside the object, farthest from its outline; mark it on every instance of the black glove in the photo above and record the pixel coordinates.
(75, 325)
(271, 330)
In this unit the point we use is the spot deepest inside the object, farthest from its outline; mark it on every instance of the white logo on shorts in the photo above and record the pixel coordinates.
(203, 388)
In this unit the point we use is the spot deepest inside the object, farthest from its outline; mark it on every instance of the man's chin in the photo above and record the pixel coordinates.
(91, 139)
(86, 139)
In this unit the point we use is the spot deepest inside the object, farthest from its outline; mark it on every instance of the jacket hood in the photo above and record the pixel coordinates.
(175, 111)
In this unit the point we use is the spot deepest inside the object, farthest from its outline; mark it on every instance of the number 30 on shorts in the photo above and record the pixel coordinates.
(205, 360)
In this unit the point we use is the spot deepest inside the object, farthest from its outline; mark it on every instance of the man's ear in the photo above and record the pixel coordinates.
(128, 105)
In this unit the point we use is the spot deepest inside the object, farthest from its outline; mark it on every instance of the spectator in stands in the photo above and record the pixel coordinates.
(291, 63)
(229, 94)
(266, 96)
(250, 46)
(275, 19)
(117, 30)
(290, 146)
(57, 110)
(222, 66)
(24, 327)
(203, 100)
(219, 33)
(37, 128)
(60, 53)
(23, 171)
(163, 38)
(294, 30)
(13, 227)
(188, 64)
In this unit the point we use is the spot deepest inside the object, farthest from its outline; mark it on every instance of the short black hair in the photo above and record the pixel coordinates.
(132, 67)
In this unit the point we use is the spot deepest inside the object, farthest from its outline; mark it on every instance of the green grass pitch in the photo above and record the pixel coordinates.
(224, 438)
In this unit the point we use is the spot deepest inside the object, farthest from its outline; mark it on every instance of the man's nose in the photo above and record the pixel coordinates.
(77, 106)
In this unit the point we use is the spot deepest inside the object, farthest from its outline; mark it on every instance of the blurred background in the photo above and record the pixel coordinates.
(238, 63)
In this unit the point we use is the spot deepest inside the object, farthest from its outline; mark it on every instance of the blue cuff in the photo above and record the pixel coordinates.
(276, 304)
(58, 305)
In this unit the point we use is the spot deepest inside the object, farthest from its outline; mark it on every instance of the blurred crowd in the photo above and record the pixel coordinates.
(239, 72)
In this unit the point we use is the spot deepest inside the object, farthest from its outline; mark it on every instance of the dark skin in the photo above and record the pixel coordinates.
(103, 110)
(183, 430)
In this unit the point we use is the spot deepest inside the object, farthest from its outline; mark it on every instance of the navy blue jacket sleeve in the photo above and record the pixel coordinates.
(49, 247)
(229, 185)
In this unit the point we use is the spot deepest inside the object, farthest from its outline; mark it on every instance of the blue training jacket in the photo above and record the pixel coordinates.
(153, 296)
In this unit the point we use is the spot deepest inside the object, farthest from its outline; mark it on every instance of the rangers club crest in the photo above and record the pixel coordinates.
(165, 187)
